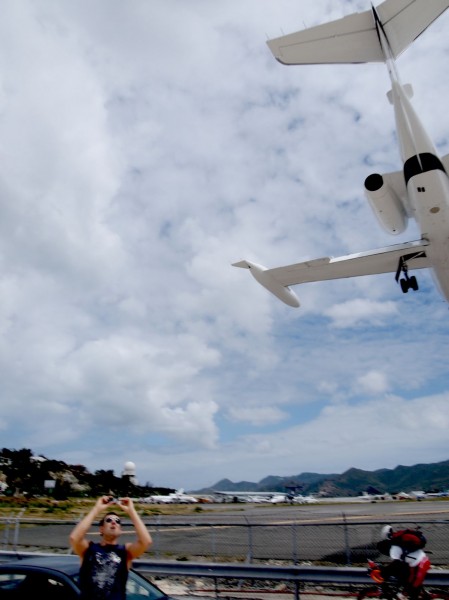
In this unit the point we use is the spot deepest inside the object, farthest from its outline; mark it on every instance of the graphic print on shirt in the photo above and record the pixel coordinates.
(104, 570)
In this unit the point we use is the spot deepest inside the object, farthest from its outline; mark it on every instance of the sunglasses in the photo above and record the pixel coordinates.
(113, 520)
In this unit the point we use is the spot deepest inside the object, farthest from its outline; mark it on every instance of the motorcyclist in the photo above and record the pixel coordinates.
(409, 563)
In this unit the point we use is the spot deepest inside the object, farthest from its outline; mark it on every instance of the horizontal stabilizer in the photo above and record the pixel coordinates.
(262, 275)
(354, 38)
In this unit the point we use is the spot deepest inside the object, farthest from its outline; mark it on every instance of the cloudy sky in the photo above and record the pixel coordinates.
(144, 147)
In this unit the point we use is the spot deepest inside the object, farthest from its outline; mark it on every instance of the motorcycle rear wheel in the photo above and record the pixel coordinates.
(395, 593)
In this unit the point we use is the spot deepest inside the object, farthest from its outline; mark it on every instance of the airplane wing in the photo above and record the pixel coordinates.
(354, 38)
(383, 260)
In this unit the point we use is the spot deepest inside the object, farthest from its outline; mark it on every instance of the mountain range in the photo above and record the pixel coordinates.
(433, 477)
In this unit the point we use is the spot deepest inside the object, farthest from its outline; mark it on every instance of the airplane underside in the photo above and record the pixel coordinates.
(420, 190)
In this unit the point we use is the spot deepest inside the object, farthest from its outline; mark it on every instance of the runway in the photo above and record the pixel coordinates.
(331, 511)
(223, 527)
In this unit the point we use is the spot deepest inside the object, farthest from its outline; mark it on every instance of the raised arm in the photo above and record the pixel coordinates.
(78, 540)
(143, 541)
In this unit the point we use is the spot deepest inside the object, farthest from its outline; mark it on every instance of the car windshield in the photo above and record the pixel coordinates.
(137, 587)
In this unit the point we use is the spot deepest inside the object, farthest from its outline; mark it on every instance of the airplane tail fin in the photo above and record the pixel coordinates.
(355, 38)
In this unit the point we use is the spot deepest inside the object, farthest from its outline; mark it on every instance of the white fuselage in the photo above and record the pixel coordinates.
(429, 202)
(427, 186)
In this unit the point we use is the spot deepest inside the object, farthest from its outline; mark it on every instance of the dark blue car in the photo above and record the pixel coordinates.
(55, 577)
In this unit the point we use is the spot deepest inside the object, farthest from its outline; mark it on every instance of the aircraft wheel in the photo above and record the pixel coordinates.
(413, 283)
(404, 286)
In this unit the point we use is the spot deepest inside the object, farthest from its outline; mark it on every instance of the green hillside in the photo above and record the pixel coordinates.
(432, 477)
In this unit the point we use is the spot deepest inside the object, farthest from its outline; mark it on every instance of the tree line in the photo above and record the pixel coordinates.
(22, 473)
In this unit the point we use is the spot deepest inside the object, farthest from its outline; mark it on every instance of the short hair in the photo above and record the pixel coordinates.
(101, 522)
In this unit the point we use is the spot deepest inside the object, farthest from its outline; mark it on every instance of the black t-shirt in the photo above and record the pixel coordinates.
(104, 572)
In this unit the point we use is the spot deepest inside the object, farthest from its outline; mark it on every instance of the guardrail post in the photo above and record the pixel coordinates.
(296, 589)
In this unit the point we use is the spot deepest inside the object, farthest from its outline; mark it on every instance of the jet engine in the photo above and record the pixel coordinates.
(386, 204)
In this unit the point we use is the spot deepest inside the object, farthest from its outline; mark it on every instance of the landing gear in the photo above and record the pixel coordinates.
(407, 283)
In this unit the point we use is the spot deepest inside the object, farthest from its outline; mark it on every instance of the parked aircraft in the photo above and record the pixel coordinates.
(178, 497)
(299, 499)
(268, 496)
(245, 494)
(281, 498)
(419, 191)
(248, 496)
(366, 497)
(293, 499)
(403, 496)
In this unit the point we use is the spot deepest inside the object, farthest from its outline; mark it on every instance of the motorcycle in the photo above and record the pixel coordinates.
(404, 585)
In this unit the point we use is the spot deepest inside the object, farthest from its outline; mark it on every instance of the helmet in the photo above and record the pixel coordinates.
(386, 532)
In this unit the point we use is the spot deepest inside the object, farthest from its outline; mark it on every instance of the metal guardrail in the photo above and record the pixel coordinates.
(301, 574)
(298, 573)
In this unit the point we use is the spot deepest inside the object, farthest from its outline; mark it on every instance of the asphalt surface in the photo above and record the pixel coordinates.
(425, 509)
(47, 536)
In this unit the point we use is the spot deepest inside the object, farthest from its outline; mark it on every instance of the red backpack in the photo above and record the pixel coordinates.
(408, 539)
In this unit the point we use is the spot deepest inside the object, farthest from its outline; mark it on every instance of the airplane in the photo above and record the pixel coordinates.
(420, 191)
(282, 499)
(178, 497)
(366, 497)
(271, 497)
(293, 499)
(300, 499)
(248, 496)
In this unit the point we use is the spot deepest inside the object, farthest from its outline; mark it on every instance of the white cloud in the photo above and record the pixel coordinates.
(381, 433)
(257, 415)
(359, 311)
(373, 382)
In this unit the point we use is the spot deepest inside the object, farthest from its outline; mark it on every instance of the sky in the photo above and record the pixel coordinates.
(145, 147)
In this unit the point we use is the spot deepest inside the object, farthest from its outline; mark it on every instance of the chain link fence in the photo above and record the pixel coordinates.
(342, 543)
(338, 544)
